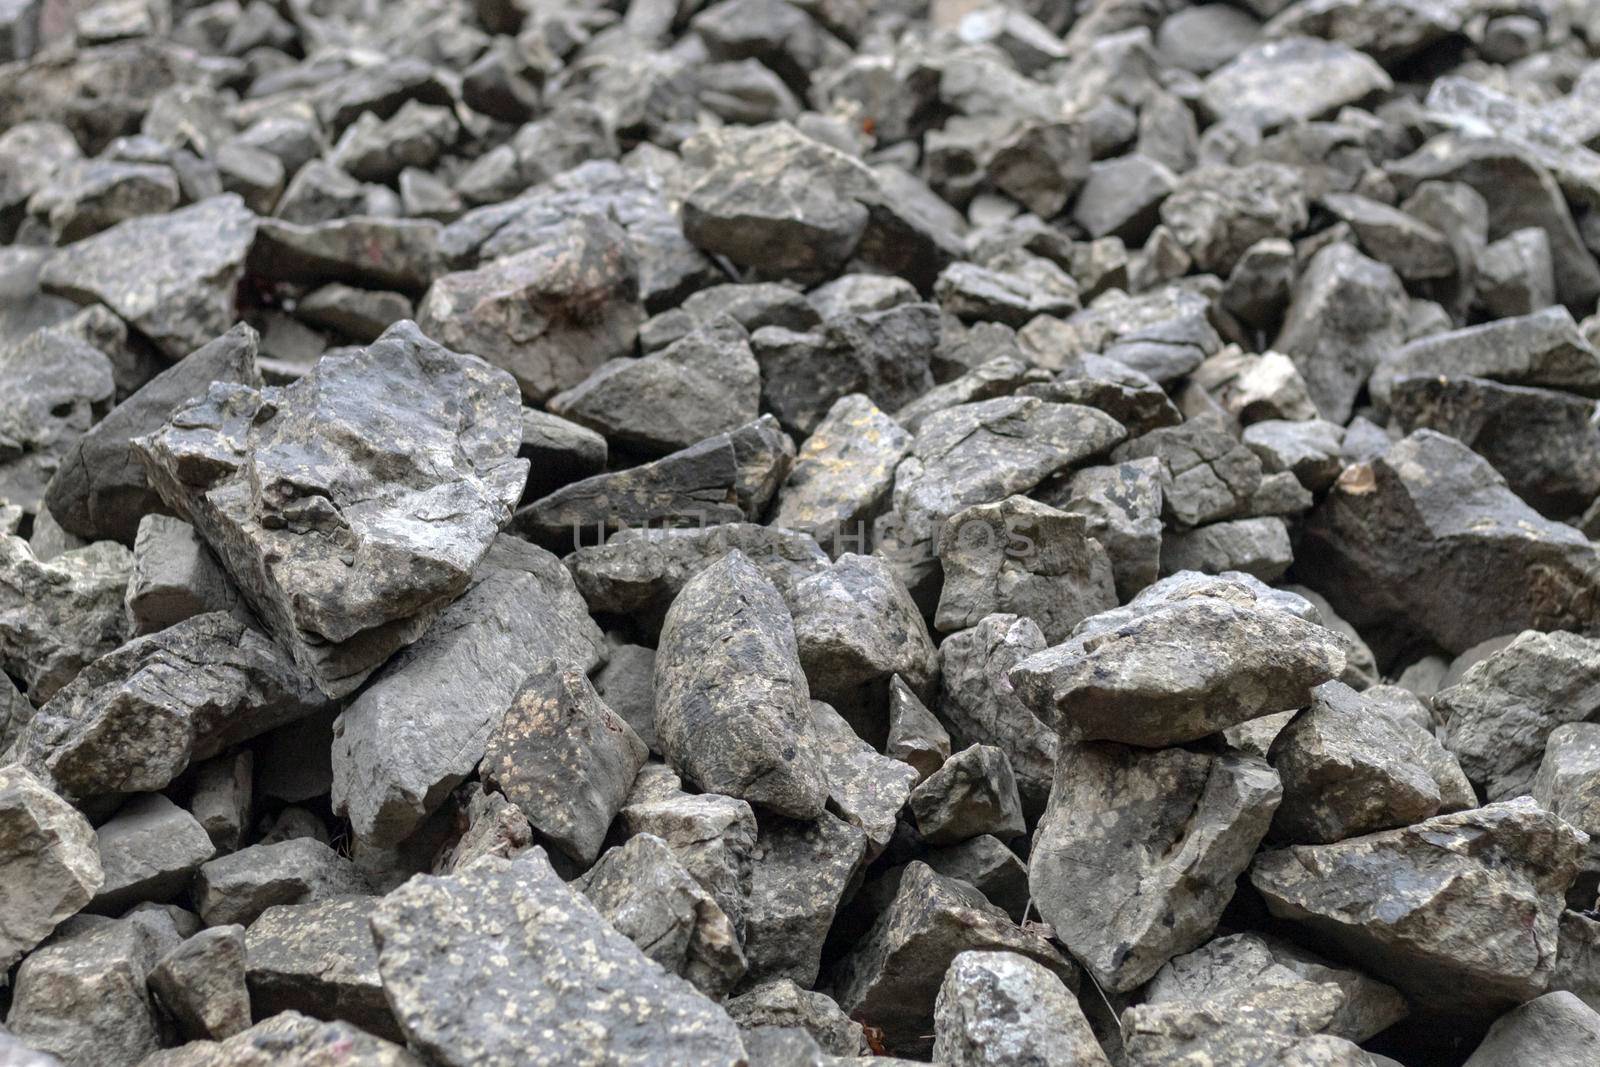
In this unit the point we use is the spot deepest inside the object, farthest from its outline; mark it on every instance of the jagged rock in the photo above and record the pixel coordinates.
(1554, 1028)
(1566, 785)
(1252, 387)
(1278, 81)
(981, 706)
(15, 711)
(101, 489)
(175, 577)
(713, 836)
(1025, 558)
(440, 962)
(420, 726)
(916, 737)
(1429, 537)
(135, 718)
(843, 474)
(782, 1003)
(1179, 672)
(367, 250)
(1206, 474)
(494, 827)
(1446, 883)
(1122, 505)
(342, 556)
(1138, 853)
(238, 887)
(1258, 547)
(564, 758)
(202, 982)
(149, 850)
(891, 979)
(1271, 1026)
(172, 277)
(1122, 197)
(48, 857)
(1309, 449)
(318, 958)
(731, 695)
(359, 314)
(56, 387)
(865, 789)
(642, 890)
(973, 793)
(1216, 213)
(1003, 1008)
(1243, 965)
(627, 685)
(800, 872)
(58, 616)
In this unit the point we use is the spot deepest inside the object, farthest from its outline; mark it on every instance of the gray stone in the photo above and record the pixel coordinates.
(1568, 785)
(916, 737)
(1278, 81)
(565, 759)
(1554, 1028)
(56, 387)
(59, 616)
(134, 719)
(1445, 885)
(972, 794)
(202, 983)
(1415, 250)
(341, 556)
(175, 577)
(358, 314)
(1515, 275)
(1216, 213)
(445, 943)
(1139, 851)
(494, 827)
(980, 705)
(48, 858)
(1270, 1026)
(997, 376)
(783, 1003)
(1122, 197)
(1122, 504)
(239, 887)
(627, 685)
(1012, 290)
(865, 789)
(642, 890)
(1258, 547)
(1309, 449)
(172, 277)
(221, 800)
(997, 1008)
(713, 836)
(1206, 474)
(843, 474)
(87, 196)
(149, 850)
(420, 726)
(319, 959)
(83, 997)
(800, 873)
(363, 249)
(731, 695)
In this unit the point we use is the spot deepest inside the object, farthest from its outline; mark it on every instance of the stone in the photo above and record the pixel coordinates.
(1202, 38)
(891, 978)
(1122, 197)
(175, 577)
(1346, 315)
(783, 1003)
(358, 314)
(1217, 213)
(1274, 82)
(1502, 867)
(980, 705)
(368, 565)
(420, 727)
(60, 615)
(1501, 713)
(363, 249)
(1206, 474)
(1180, 672)
(1253, 387)
(565, 759)
(15, 712)
(558, 452)
(1259, 547)
(82, 995)
(221, 801)
(971, 794)
(240, 886)
(1544, 349)
(1554, 1028)
(800, 873)
(49, 859)
(1242, 966)
(1346, 772)
(56, 387)
(731, 694)
(439, 965)
(1445, 515)
(1031, 286)
(171, 277)
(1272, 1026)
(319, 959)
(1309, 449)
(627, 686)
(642, 890)
(1138, 853)
(1003, 1008)
(916, 737)
(1416, 250)
(202, 982)
(1121, 504)
(842, 476)
(730, 477)
(1024, 558)
(149, 850)
(133, 720)
(985, 380)
(713, 836)
(1514, 275)
(866, 789)
(288, 1037)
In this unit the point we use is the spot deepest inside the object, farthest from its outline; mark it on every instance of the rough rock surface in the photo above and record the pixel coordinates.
(52, 866)
(1001, 1008)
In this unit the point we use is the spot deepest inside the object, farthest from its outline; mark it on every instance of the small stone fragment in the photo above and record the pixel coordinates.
(48, 858)
(998, 1008)
(202, 982)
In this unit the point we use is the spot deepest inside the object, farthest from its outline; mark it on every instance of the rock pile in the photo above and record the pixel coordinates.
(779, 532)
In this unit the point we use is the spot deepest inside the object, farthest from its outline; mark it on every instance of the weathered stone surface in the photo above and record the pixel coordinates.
(865, 789)
(1138, 853)
(783, 1003)
(891, 978)
(56, 387)
(1427, 536)
(289, 1038)
(48, 857)
(999, 1008)
(135, 718)
(1278, 81)
(1554, 1028)
(564, 758)
(550, 313)
(101, 489)
(843, 474)
(642, 890)
(627, 685)
(58, 616)
(1568, 785)
(172, 277)
(1179, 672)
(981, 706)
(916, 737)
(713, 836)
(149, 850)
(1466, 918)
(731, 695)
(420, 726)
(1216, 213)
(82, 995)
(329, 518)
(800, 872)
(389, 253)
(319, 958)
(972, 794)
(1206, 474)
(1272, 1026)
(440, 965)
(494, 827)
(175, 577)
(202, 982)
(238, 887)
(1122, 505)
(1258, 547)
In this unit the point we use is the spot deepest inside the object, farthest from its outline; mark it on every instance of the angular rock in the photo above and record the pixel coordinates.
(627, 685)
(202, 982)
(713, 836)
(843, 474)
(56, 387)
(366, 250)
(1206, 474)
(800, 873)
(999, 1008)
(59, 616)
(1216, 213)
(731, 695)
(916, 737)
(149, 850)
(48, 857)
(972, 794)
(83, 997)
(175, 576)
(319, 959)
(440, 965)
(1567, 785)
(1554, 1028)
(1258, 547)
(421, 725)
(981, 706)
(1278, 81)
(1122, 505)
(1121, 197)
(782, 1003)
(1138, 853)
(865, 789)
(1271, 1026)
(238, 887)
